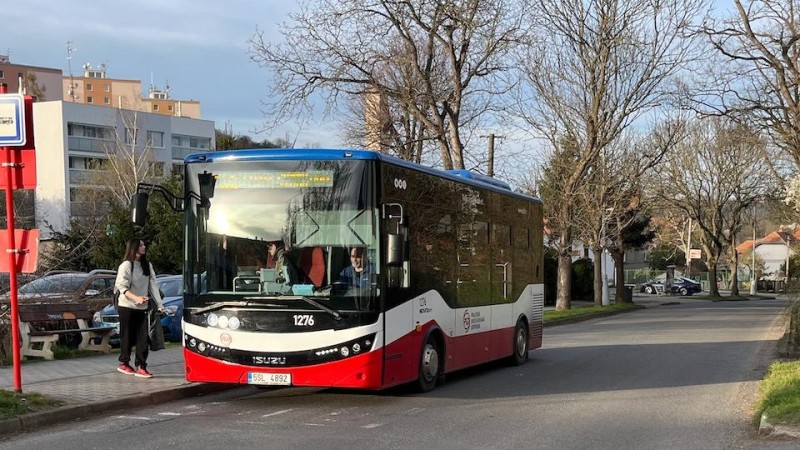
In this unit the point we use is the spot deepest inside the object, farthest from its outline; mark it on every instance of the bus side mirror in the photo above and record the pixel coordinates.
(394, 250)
(139, 208)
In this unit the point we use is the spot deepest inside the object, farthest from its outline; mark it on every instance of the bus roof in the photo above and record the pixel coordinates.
(290, 154)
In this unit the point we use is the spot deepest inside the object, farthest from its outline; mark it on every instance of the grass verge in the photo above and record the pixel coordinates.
(13, 404)
(588, 310)
(780, 394)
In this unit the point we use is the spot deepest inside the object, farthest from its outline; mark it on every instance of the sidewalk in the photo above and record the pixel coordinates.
(91, 384)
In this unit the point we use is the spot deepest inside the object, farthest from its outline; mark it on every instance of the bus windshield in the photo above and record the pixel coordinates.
(282, 232)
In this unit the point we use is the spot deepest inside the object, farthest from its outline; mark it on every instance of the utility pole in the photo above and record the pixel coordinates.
(491, 136)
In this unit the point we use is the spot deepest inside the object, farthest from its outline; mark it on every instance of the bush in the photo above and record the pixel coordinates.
(550, 276)
(583, 279)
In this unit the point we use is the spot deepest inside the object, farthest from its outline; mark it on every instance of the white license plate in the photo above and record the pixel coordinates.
(271, 379)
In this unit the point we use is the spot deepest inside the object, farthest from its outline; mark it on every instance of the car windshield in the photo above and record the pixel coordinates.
(171, 287)
(54, 284)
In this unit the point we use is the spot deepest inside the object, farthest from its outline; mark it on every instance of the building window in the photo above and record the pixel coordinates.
(177, 141)
(155, 107)
(80, 130)
(2, 75)
(85, 163)
(106, 88)
(89, 100)
(169, 107)
(193, 142)
(88, 86)
(155, 139)
(106, 100)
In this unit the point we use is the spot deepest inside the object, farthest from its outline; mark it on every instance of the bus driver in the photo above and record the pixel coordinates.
(357, 273)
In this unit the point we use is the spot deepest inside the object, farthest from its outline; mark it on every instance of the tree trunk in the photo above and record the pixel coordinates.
(563, 301)
(713, 288)
(735, 274)
(598, 275)
(619, 270)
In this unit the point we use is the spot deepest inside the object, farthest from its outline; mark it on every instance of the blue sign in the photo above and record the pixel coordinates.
(12, 120)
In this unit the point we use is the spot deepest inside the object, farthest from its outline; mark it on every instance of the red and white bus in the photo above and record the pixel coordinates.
(452, 270)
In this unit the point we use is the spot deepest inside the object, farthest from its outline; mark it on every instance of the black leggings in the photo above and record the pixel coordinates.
(133, 331)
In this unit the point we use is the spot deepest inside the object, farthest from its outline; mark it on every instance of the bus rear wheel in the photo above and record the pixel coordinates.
(520, 344)
(429, 365)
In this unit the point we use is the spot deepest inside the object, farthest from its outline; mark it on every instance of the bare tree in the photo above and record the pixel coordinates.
(439, 61)
(593, 67)
(761, 43)
(129, 159)
(715, 175)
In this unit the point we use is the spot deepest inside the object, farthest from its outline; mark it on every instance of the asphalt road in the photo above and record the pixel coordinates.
(669, 377)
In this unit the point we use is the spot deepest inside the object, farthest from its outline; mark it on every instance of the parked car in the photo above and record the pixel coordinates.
(680, 285)
(94, 288)
(171, 287)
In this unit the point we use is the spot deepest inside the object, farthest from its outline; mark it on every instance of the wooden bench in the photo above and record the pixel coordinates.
(35, 318)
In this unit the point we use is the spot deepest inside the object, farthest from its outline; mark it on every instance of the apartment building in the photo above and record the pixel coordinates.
(73, 139)
(95, 88)
(42, 82)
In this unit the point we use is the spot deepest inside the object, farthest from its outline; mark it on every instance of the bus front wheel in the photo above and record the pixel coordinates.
(429, 365)
(520, 344)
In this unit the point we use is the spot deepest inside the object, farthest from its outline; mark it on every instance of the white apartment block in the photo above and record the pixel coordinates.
(72, 137)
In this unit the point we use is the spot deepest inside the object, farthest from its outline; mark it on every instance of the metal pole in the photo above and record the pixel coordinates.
(753, 278)
(491, 155)
(603, 269)
(11, 251)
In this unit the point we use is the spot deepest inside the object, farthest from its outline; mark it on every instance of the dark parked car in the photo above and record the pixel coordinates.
(171, 287)
(680, 285)
(94, 288)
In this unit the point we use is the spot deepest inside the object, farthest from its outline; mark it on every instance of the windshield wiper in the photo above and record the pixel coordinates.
(336, 315)
(218, 305)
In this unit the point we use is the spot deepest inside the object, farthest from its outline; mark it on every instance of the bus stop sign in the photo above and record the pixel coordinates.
(12, 120)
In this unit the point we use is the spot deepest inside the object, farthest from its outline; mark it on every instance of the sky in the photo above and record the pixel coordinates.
(199, 47)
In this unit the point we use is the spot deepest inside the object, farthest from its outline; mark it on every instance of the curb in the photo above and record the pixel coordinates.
(32, 421)
(766, 428)
(577, 319)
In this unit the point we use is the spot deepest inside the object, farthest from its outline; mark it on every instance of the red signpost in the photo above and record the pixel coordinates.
(19, 162)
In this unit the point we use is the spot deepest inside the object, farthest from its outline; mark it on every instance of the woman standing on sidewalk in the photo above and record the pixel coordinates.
(136, 284)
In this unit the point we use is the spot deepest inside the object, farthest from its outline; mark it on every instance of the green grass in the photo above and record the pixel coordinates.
(13, 404)
(588, 310)
(780, 394)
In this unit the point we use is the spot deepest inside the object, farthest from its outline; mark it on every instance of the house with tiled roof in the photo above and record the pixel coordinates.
(773, 249)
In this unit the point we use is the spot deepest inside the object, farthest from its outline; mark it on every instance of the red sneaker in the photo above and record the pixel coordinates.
(141, 372)
(124, 368)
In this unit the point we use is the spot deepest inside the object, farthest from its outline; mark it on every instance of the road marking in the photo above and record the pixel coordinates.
(134, 417)
(372, 425)
(169, 413)
(277, 413)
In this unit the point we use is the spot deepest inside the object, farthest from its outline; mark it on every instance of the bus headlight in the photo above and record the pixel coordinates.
(212, 320)
(222, 322)
(234, 323)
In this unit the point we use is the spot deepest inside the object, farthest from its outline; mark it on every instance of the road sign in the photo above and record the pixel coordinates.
(24, 176)
(12, 120)
(695, 253)
(27, 250)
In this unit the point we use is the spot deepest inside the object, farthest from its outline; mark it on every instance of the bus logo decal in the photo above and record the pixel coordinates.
(400, 183)
(466, 320)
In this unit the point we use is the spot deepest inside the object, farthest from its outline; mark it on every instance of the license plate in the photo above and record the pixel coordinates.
(271, 379)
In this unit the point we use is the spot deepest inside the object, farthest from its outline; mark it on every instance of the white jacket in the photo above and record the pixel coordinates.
(131, 278)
